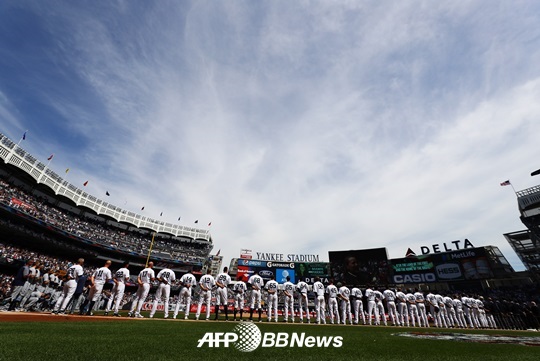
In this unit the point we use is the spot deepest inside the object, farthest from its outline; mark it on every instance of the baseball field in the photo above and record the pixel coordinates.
(35, 336)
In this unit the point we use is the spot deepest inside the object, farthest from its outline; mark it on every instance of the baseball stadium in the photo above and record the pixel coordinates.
(83, 279)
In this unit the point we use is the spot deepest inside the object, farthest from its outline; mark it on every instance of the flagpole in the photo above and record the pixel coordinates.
(150, 250)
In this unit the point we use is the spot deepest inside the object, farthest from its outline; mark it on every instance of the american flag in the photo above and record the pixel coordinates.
(505, 183)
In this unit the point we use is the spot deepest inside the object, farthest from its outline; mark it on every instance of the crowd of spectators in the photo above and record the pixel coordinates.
(101, 232)
(11, 255)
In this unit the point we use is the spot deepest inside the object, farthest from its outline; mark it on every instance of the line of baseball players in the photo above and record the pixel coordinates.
(337, 303)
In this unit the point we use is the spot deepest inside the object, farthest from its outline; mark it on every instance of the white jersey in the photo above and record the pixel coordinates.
(370, 294)
(448, 301)
(439, 299)
(332, 291)
(256, 282)
(289, 287)
(356, 293)
(302, 287)
(34, 276)
(389, 295)
(419, 297)
(378, 296)
(344, 293)
(410, 298)
(74, 272)
(146, 275)
(54, 278)
(457, 304)
(401, 296)
(271, 286)
(166, 276)
(188, 280)
(122, 275)
(318, 288)
(240, 288)
(431, 299)
(32, 273)
(102, 275)
(207, 282)
(223, 280)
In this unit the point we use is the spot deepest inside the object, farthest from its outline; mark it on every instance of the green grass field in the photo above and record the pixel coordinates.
(159, 339)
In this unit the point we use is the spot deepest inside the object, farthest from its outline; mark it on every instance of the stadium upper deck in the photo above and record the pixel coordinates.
(14, 155)
(89, 218)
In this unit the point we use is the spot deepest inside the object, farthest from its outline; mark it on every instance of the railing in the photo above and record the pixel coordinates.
(528, 197)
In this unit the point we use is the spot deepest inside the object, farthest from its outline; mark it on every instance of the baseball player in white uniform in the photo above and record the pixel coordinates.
(358, 305)
(434, 309)
(48, 281)
(390, 298)
(31, 280)
(120, 278)
(288, 292)
(239, 290)
(450, 311)
(302, 288)
(344, 294)
(421, 305)
(72, 275)
(56, 295)
(206, 283)
(320, 304)
(403, 313)
(474, 312)
(332, 292)
(379, 297)
(144, 280)
(272, 301)
(165, 278)
(458, 306)
(35, 279)
(413, 309)
(466, 303)
(372, 306)
(256, 283)
(222, 297)
(441, 315)
(97, 281)
(486, 321)
(188, 281)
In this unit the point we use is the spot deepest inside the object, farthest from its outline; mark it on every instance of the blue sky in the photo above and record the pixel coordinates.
(294, 127)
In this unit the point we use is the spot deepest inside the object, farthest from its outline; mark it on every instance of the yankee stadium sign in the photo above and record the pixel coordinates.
(280, 257)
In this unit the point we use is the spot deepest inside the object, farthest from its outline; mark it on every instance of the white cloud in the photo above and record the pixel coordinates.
(302, 128)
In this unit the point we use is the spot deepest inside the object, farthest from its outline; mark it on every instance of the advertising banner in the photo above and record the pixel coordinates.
(280, 270)
(467, 264)
(413, 270)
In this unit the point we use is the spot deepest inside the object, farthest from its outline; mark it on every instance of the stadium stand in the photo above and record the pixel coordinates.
(32, 192)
